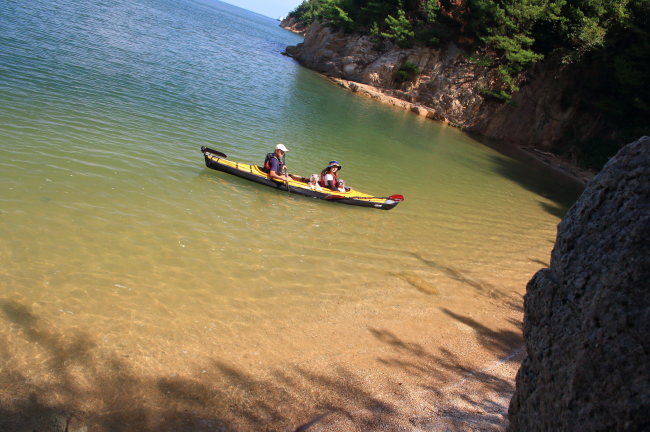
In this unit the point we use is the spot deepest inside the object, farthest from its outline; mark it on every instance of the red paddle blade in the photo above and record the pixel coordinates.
(331, 197)
(397, 197)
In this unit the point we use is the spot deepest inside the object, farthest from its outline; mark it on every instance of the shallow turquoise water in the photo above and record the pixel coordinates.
(108, 216)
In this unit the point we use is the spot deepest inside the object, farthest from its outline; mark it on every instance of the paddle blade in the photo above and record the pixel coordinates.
(205, 149)
(398, 198)
(334, 197)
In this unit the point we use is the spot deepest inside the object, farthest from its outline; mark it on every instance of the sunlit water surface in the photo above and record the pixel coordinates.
(112, 227)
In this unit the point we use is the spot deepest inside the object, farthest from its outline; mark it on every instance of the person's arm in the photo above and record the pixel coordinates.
(274, 175)
(273, 163)
(299, 178)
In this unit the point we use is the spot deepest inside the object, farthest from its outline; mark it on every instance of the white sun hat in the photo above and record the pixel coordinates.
(281, 147)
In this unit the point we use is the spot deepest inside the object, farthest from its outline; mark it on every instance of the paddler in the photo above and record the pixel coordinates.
(329, 177)
(274, 163)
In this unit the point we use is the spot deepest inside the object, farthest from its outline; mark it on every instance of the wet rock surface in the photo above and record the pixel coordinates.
(586, 316)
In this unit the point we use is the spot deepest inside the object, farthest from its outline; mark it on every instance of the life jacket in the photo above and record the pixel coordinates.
(322, 181)
(267, 163)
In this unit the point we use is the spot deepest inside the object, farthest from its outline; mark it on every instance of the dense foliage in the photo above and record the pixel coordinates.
(612, 37)
(407, 72)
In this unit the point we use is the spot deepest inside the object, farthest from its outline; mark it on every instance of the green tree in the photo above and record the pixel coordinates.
(508, 25)
(306, 11)
(399, 29)
(584, 24)
(331, 13)
(429, 9)
(407, 72)
(377, 10)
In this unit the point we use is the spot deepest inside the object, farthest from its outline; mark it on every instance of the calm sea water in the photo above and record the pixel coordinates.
(110, 223)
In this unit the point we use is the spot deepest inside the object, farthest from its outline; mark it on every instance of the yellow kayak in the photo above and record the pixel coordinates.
(297, 185)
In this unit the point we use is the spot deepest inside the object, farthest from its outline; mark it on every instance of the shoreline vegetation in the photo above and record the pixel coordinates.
(595, 52)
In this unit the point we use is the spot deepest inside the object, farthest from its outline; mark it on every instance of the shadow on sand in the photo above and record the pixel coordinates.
(90, 389)
(490, 292)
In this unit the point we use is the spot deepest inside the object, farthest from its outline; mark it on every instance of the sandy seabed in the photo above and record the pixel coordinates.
(407, 363)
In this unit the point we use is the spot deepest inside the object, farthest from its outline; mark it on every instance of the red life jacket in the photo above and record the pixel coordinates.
(267, 163)
(322, 181)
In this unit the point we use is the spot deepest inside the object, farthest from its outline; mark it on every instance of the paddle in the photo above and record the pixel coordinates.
(286, 182)
(205, 149)
(397, 198)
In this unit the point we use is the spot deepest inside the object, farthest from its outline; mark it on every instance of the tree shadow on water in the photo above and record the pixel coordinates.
(483, 288)
(452, 385)
(559, 189)
(86, 387)
(78, 375)
(544, 264)
(500, 342)
(97, 390)
(558, 211)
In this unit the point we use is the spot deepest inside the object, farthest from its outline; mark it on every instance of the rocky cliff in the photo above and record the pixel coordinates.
(291, 24)
(587, 316)
(447, 89)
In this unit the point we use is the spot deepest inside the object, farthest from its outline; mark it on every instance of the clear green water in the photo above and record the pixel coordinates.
(110, 223)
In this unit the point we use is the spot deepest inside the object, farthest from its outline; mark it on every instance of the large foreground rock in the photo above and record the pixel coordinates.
(587, 317)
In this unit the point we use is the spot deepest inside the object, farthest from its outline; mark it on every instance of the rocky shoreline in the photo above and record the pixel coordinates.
(551, 160)
(290, 23)
(448, 90)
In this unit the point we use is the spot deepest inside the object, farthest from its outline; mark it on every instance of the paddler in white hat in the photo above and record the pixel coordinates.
(274, 163)
(276, 169)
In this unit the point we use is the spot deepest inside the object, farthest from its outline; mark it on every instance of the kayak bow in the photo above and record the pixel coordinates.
(298, 185)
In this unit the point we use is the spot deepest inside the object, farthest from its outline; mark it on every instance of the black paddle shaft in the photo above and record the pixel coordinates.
(205, 149)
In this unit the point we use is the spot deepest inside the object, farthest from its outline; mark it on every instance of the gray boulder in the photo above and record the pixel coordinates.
(587, 317)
